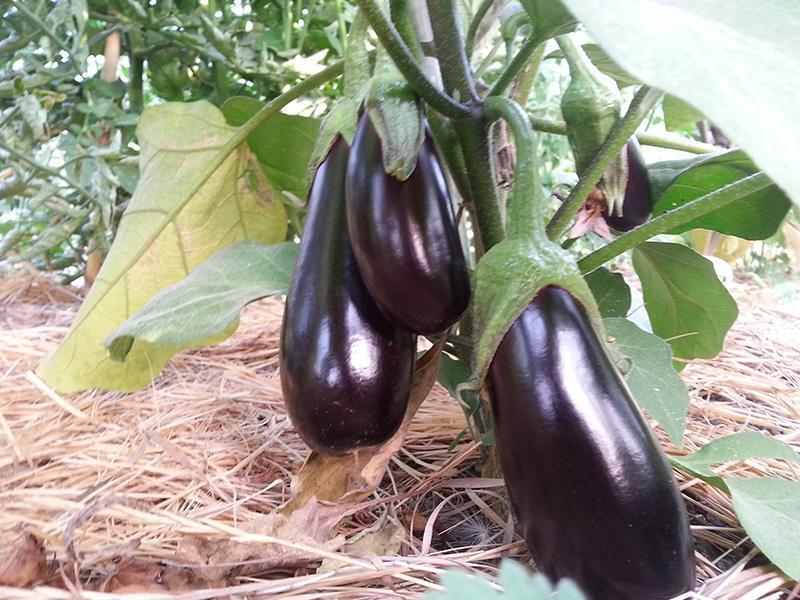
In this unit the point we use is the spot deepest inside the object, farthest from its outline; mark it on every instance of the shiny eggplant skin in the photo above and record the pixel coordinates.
(593, 494)
(637, 206)
(405, 238)
(345, 369)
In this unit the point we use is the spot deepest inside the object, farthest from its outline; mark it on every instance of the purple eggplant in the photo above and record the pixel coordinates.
(593, 494)
(637, 205)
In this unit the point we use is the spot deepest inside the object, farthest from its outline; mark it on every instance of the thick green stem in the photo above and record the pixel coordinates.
(450, 50)
(473, 134)
(642, 103)
(523, 84)
(515, 66)
(135, 74)
(526, 216)
(579, 64)
(674, 218)
(405, 62)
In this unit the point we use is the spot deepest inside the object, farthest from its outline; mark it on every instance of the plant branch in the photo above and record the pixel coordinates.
(526, 215)
(473, 135)
(472, 31)
(450, 50)
(675, 218)
(404, 60)
(36, 20)
(48, 171)
(642, 103)
(515, 66)
(671, 141)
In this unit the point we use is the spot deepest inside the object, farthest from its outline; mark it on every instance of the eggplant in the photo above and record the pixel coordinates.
(637, 205)
(345, 369)
(593, 494)
(404, 236)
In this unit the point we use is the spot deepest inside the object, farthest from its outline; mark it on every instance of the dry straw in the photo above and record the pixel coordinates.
(177, 488)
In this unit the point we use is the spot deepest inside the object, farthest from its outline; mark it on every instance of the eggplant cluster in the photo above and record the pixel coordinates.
(380, 261)
(592, 491)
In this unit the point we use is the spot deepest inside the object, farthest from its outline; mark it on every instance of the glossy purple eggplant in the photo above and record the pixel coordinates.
(637, 205)
(405, 238)
(593, 494)
(345, 369)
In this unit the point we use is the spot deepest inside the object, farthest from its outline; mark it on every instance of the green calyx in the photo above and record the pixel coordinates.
(397, 117)
(590, 106)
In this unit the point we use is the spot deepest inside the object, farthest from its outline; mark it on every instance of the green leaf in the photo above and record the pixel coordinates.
(679, 113)
(736, 62)
(686, 303)
(452, 373)
(611, 292)
(283, 144)
(199, 191)
(754, 217)
(769, 509)
(517, 582)
(645, 360)
(206, 303)
(735, 447)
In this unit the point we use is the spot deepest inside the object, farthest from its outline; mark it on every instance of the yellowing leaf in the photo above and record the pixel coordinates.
(200, 190)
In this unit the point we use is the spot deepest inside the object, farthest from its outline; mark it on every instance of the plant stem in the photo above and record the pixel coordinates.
(402, 19)
(473, 134)
(469, 41)
(515, 66)
(642, 103)
(526, 215)
(675, 218)
(342, 26)
(34, 18)
(673, 142)
(523, 84)
(450, 50)
(405, 62)
(135, 74)
(48, 171)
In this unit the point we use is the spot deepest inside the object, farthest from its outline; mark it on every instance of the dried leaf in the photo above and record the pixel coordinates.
(220, 559)
(24, 562)
(351, 478)
(384, 540)
(135, 575)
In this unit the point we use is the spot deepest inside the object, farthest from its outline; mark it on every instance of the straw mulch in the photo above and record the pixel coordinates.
(178, 487)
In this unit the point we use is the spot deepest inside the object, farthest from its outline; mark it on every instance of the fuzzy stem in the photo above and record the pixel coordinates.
(516, 65)
(675, 218)
(404, 60)
(450, 50)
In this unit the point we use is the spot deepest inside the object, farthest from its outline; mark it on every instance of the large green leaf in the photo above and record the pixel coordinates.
(769, 509)
(754, 217)
(737, 62)
(206, 304)
(646, 362)
(283, 144)
(611, 292)
(686, 303)
(734, 447)
(200, 190)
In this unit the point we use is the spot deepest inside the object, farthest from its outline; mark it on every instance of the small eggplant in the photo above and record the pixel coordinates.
(637, 205)
(345, 370)
(405, 238)
(594, 495)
